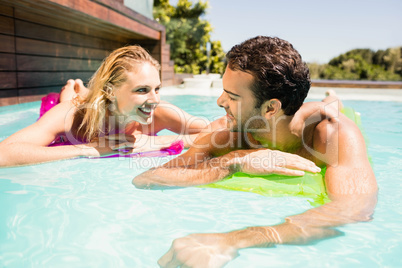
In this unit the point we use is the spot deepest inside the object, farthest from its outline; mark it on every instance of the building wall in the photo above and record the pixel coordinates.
(42, 45)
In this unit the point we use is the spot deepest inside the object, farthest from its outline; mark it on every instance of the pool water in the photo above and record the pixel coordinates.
(86, 213)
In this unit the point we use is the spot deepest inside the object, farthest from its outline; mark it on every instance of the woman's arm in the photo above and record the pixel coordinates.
(176, 120)
(29, 145)
(171, 117)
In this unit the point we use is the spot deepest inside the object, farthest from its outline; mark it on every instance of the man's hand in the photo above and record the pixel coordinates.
(265, 162)
(199, 251)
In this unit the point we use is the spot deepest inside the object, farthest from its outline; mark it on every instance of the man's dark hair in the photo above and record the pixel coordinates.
(277, 68)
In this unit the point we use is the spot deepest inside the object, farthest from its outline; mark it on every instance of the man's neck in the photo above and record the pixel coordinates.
(278, 136)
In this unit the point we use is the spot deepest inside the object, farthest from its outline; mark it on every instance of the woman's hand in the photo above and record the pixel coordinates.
(104, 147)
(199, 251)
(141, 142)
(146, 143)
(109, 145)
(265, 162)
(312, 113)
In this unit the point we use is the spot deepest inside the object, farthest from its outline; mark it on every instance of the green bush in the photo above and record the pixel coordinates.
(361, 64)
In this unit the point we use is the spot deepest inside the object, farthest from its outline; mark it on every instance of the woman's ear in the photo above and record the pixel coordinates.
(270, 108)
(109, 92)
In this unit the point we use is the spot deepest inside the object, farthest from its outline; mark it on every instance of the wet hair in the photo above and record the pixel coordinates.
(277, 68)
(111, 74)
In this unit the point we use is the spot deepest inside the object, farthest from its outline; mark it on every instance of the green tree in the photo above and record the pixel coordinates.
(217, 58)
(363, 54)
(188, 34)
(362, 64)
(316, 70)
(392, 60)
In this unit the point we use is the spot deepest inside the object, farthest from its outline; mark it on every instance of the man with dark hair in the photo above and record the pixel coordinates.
(277, 68)
(265, 84)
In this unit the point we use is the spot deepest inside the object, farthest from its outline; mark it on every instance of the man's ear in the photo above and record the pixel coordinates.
(270, 108)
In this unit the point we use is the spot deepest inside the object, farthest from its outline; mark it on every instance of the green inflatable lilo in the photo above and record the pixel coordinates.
(309, 186)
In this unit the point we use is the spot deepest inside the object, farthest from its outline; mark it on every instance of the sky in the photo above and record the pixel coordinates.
(319, 29)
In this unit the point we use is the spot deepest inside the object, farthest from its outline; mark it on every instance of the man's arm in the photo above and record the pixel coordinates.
(214, 157)
(351, 186)
(187, 169)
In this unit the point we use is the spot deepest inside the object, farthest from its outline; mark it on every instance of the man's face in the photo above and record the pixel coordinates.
(239, 102)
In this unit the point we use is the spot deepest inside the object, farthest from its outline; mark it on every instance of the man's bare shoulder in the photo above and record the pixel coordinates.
(343, 127)
(332, 136)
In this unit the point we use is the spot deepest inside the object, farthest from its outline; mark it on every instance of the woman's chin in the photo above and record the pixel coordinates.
(144, 120)
(148, 121)
(141, 120)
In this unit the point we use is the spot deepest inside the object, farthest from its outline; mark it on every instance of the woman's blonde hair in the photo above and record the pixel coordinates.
(112, 73)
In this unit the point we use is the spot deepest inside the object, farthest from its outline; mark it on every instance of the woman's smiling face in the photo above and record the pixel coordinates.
(138, 96)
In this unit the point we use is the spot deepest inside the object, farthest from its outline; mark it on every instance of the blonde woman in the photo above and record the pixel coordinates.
(120, 109)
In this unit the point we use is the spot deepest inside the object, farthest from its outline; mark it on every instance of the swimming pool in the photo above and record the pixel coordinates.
(86, 213)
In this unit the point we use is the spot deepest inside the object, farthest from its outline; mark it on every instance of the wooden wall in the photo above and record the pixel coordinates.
(167, 67)
(41, 49)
